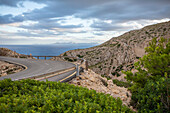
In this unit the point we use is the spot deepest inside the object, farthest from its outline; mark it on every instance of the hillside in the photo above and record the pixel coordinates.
(9, 53)
(119, 53)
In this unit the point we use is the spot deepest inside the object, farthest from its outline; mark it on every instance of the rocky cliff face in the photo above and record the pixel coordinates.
(119, 53)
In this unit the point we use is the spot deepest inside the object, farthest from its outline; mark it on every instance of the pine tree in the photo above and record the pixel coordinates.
(151, 82)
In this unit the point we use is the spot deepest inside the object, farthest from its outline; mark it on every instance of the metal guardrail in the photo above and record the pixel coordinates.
(45, 58)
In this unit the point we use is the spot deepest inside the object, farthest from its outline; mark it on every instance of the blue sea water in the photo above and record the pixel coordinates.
(46, 50)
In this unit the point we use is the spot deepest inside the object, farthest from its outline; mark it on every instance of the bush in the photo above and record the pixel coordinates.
(80, 56)
(153, 97)
(35, 96)
(65, 54)
(116, 73)
(70, 60)
(118, 45)
(121, 83)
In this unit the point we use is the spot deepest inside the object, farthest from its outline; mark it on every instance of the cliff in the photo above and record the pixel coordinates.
(120, 53)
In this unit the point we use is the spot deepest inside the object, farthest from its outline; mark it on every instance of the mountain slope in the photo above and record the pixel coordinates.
(9, 53)
(119, 53)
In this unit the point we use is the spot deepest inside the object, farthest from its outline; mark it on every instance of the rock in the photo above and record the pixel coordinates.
(5, 68)
(91, 80)
(82, 77)
(115, 91)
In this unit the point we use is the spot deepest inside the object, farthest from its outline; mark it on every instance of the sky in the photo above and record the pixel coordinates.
(75, 21)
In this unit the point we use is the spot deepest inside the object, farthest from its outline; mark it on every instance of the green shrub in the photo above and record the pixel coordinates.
(121, 83)
(75, 60)
(114, 73)
(23, 57)
(108, 78)
(80, 56)
(102, 76)
(137, 57)
(65, 54)
(118, 74)
(35, 96)
(118, 45)
(153, 97)
(104, 82)
(70, 60)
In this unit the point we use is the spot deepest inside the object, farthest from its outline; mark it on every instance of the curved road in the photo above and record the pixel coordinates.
(37, 67)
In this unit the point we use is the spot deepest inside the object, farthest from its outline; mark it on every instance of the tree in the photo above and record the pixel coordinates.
(151, 82)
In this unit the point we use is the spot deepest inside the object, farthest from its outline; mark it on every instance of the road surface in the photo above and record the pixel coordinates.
(36, 67)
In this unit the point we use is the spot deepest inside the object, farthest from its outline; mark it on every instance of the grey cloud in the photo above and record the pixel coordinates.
(6, 19)
(103, 26)
(128, 10)
(30, 33)
(99, 34)
(35, 34)
(16, 3)
(12, 3)
(120, 11)
(49, 25)
(55, 8)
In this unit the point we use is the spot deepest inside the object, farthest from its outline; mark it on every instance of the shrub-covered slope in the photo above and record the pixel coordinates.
(35, 96)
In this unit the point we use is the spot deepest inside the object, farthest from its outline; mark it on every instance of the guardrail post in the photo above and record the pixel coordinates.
(77, 68)
(86, 64)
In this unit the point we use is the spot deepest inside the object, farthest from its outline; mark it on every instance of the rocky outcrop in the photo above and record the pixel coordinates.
(8, 68)
(120, 53)
(10, 53)
(91, 80)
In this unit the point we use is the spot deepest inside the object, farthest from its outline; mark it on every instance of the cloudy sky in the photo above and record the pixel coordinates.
(79, 21)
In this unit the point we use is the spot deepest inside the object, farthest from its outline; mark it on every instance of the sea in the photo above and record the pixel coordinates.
(47, 50)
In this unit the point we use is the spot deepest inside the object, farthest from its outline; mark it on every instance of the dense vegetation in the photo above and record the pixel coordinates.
(150, 89)
(35, 96)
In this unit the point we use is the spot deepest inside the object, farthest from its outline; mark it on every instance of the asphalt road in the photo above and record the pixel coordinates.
(37, 67)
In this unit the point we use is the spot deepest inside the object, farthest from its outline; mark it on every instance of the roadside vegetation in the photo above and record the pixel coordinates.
(31, 96)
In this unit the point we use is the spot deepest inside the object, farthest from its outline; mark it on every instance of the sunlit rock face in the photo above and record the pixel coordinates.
(119, 53)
